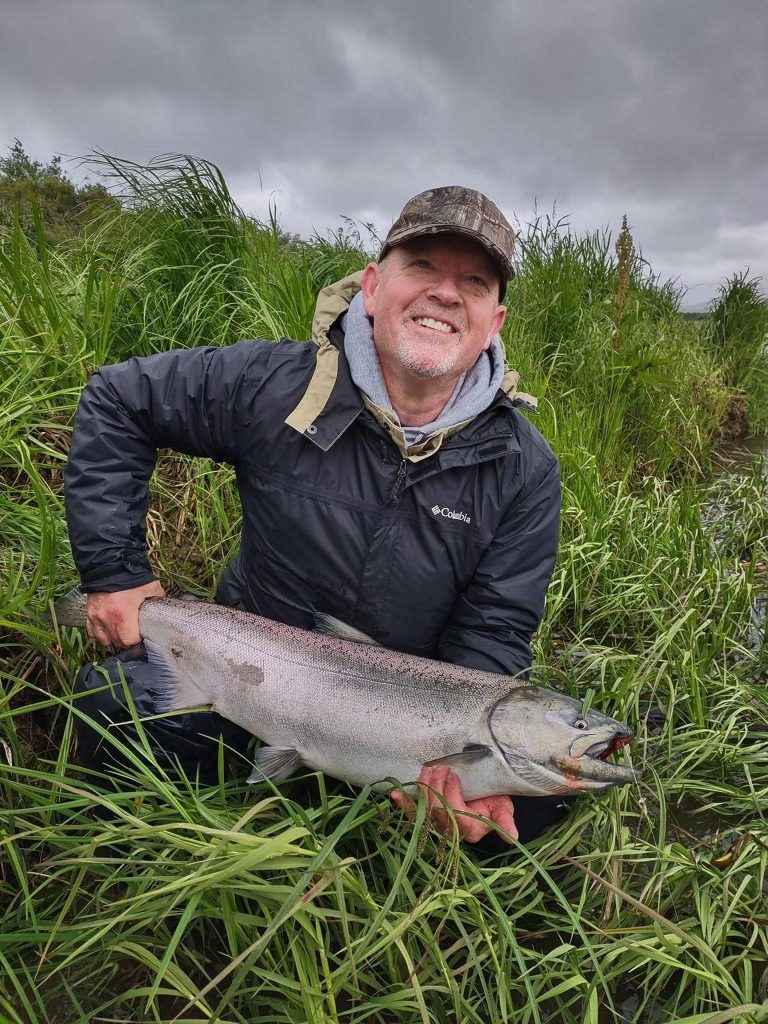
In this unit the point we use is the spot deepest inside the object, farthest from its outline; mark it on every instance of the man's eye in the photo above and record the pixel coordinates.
(422, 264)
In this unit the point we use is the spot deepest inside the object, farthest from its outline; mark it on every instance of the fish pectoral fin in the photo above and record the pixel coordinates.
(175, 686)
(328, 626)
(471, 754)
(274, 763)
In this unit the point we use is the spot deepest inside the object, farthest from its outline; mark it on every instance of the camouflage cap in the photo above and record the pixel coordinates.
(462, 211)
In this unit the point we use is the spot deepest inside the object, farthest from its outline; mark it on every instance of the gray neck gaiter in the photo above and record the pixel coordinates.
(474, 391)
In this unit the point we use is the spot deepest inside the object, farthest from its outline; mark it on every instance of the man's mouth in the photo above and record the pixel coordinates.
(435, 325)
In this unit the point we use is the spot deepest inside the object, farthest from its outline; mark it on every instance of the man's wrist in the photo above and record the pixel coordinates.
(116, 581)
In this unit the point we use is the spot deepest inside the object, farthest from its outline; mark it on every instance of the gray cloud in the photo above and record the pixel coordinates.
(349, 107)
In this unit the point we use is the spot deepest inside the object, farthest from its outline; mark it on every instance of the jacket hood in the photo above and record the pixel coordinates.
(332, 301)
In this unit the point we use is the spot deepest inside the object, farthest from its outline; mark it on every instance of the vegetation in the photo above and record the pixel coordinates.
(148, 898)
(42, 196)
(738, 336)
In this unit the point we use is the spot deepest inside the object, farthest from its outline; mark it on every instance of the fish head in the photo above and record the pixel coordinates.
(552, 746)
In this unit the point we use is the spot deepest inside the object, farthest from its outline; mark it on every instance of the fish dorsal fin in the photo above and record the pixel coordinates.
(471, 754)
(329, 626)
(274, 763)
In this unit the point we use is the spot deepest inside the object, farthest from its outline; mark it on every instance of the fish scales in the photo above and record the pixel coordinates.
(338, 703)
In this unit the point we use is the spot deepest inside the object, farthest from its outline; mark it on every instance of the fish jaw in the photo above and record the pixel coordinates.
(563, 774)
(586, 772)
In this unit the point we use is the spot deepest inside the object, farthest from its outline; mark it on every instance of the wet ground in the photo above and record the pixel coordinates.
(691, 821)
(687, 818)
(741, 459)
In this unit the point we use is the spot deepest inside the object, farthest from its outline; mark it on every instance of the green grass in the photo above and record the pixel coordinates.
(148, 898)
(738, 334)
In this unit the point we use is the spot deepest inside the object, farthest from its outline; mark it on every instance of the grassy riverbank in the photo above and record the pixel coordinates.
(160, 900)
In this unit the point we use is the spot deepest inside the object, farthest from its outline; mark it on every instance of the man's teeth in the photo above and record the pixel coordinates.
(436, 325)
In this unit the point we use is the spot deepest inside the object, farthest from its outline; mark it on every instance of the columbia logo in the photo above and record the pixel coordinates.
(448, 513)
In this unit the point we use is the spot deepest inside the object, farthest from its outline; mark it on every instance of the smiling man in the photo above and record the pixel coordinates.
(386, 474)
(434, 306)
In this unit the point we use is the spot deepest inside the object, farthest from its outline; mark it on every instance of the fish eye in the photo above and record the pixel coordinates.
(580, 723)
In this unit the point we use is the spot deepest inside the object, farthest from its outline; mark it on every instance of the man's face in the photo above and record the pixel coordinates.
(434, 305)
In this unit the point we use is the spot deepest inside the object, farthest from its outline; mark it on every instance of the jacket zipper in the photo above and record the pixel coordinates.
(397, 490)
(452, 446)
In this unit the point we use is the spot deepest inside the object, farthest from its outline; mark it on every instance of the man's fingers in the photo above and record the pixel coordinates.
(452, 793)
(113, 618)
(447, 809)
(99, 635)
(502, 812)
(409, 804)
(113, 634)
(112, 638)
(443, 794)
(402, 801)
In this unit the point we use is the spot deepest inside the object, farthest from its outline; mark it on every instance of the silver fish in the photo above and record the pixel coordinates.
(333, 700)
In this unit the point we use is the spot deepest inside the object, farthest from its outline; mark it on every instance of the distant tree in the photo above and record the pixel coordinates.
(65, 208)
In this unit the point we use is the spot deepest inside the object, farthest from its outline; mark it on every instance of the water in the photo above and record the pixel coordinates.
(738, 458)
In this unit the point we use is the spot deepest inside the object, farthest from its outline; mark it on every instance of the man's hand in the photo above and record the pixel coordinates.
(113, 619)
(439, 781)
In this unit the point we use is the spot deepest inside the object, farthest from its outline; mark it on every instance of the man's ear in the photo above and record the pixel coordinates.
(498, 322)
(369, 283)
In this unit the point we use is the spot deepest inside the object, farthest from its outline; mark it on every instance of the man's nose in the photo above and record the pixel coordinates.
(445, 289)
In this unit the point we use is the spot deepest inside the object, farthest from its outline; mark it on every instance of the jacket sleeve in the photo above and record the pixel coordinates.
(188, 400)
(492, 621)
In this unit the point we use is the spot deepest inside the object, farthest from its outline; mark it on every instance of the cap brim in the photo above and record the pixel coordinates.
(420, 231)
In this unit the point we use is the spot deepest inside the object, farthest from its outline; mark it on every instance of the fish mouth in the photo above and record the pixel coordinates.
(591, 767)
(602, 751)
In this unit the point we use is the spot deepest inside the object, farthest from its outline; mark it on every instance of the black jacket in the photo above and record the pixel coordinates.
(447, 557)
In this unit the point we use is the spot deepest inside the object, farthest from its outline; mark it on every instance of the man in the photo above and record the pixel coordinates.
(385, 473)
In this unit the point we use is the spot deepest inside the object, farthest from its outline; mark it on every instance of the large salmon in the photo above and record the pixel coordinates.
(336, 701)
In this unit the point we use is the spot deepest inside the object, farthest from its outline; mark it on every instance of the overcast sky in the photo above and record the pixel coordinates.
(656, 108)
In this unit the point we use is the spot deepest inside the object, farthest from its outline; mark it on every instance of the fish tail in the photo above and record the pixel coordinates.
(70, 610)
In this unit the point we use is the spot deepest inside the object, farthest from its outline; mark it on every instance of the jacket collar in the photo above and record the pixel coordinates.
(331, 402)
